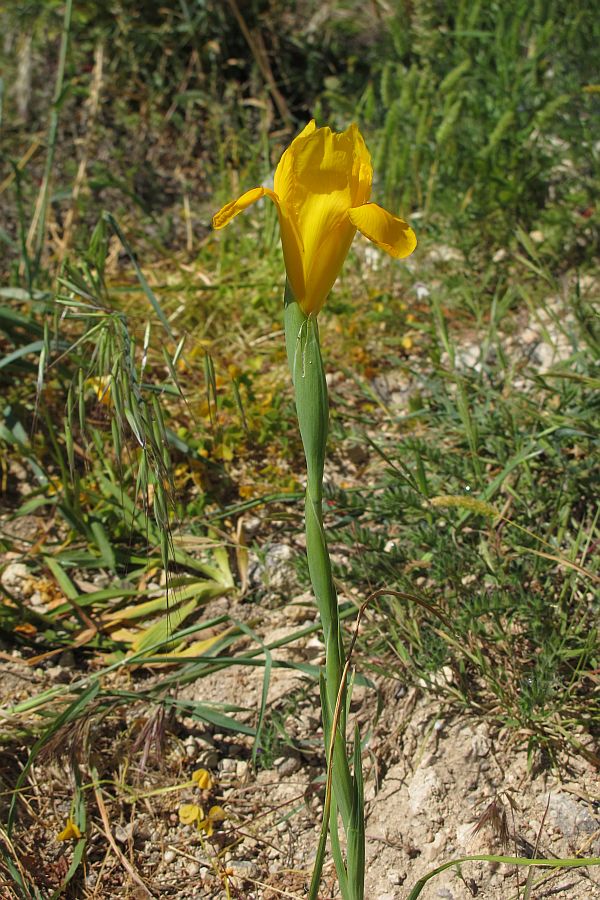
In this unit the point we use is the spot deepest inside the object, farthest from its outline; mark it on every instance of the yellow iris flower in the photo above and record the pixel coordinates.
(321, 190)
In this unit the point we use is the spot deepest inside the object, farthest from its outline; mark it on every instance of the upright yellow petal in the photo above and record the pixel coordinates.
(389, 232)
(284, 179)
(320, 176)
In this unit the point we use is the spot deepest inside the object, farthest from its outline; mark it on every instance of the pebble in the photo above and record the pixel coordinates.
(274, 570)
(530, 336)
(288, 765)
(241, 769)
(57, 673)
(208, 759)
(169, 856)
(18, 580)
(192, 869)
(480, 746)
(243, 869)
(123, 834)
(572, 817)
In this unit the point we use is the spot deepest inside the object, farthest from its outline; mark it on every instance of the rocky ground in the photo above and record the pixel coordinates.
(440, 784)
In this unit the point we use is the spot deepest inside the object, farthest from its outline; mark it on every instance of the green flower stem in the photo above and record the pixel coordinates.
(312, 406)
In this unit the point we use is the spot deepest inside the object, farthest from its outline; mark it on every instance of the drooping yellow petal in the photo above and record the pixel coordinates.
(389, 232)
(291, 241)
(234, 207)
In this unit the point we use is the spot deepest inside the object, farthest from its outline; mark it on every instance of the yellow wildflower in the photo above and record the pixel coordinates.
(321, 190)
(190, 813)
(215, 814)
(203, 779)
(101, 385)
(70, 832)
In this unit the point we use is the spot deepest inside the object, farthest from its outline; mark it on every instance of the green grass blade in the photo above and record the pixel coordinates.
(140, 275)
(572, 863)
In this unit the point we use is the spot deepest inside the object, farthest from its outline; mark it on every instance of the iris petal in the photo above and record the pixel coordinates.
(231, 209)
(389, 232)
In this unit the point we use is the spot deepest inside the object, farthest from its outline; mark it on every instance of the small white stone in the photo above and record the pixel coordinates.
(530, 336)
(244, 869)
(289, 766)
(123, 834)
(444, 253)
(208, 759)
(18, 580)
(169, 856)
(241, 769)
